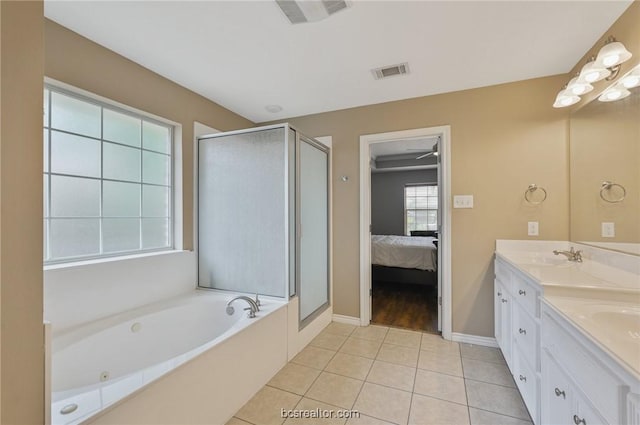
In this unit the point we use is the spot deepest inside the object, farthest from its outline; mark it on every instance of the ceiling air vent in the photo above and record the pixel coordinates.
(390, 71)
(302, 11)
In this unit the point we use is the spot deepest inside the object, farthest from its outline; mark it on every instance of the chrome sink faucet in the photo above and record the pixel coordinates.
(251, 310)
(572, 255)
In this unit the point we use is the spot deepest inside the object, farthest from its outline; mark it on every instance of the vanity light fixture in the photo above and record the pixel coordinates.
(632, 79)
(614, 93)
(592, 72)
(606, 65)
(613, 53)
(565, 98)
(578, 87)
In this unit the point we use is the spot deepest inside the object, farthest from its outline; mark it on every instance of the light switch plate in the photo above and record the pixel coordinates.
(608, 230)
(463, 201)
(532, 228)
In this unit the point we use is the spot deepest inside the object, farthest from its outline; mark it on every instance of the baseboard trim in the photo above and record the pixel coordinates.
(349, 320)
(472, 339)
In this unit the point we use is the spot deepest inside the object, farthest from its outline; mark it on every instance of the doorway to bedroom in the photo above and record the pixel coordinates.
(404, 281)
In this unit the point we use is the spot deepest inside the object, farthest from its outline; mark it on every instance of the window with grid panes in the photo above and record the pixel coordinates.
(107, 179)
(420, 208)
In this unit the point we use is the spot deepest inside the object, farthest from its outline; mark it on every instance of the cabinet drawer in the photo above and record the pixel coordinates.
(527, 382)
(526, 334)
(525, 294)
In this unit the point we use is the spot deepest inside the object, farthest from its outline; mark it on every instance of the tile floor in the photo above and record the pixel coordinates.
(390, 376)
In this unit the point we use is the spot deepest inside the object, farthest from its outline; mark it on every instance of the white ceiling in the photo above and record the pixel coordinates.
(245, 55)
(418, 146)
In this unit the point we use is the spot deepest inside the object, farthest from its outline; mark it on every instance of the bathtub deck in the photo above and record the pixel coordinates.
(389, 376)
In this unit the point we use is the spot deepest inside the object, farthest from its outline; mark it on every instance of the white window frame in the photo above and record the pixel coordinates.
(407, 232)
(175, 159)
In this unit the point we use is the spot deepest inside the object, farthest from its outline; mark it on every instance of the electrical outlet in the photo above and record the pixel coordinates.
(532, 228)
(608, 230)
(463, 201)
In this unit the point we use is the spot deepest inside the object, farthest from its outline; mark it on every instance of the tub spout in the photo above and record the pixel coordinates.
(251, 310)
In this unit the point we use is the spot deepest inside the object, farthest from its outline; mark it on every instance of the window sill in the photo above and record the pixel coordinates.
(83, 263)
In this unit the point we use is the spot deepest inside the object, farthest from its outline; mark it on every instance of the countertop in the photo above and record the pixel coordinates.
(601, 301)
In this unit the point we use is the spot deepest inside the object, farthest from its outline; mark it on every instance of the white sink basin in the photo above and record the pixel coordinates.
(537, 259)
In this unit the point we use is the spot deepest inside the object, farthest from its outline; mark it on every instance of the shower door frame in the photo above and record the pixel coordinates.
(301, 138)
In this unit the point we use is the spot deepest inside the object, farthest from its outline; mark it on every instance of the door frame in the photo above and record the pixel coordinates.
(444, 249)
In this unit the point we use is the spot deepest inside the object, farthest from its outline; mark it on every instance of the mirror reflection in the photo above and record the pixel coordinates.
(605, 174)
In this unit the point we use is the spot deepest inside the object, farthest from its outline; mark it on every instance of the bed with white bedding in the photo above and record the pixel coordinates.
(407, 252)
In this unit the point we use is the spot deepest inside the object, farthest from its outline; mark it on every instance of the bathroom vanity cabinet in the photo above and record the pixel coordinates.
(517, 329)
(567, 371)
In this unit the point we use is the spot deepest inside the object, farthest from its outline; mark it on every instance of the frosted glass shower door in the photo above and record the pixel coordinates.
(242, 204)
(313, 229)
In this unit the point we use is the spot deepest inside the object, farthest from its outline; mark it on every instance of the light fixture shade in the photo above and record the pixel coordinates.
(612, 54)
(565, 98)
(614, 93)
(592, 72)
(632, 79)
(578, 87)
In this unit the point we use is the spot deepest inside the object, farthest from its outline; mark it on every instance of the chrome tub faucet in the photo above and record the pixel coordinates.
(572, 255)
(251, 310)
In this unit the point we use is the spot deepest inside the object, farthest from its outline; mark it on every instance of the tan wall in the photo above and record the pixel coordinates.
(22, 342)
(502, 139)
(75, 60)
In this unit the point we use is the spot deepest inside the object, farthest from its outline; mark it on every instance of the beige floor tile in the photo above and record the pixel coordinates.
(440, 385)
(436, 343)
(236, 421)
(384, 403)
(493, 373)
(310, 406)
(397, 354)
(340, 328)
(440, 362)
(428, 410)
(373, 332)
(314, 357)
(264, 407)
(392, 375)
(482, 417)
(294, 378)
(361, 347)
(367, 420)
(335, 389)
(348, 365)
(496, 398)
(478, 352)
(403, 337)
(328, 341)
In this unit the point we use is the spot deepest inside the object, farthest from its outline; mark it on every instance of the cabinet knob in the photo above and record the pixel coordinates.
(522, 292)
(504, 301)
(523, 378)
(560, 393)
(522, 331)
(499, 293)
(577, 420)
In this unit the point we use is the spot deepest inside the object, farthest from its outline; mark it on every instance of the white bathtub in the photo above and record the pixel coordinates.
(98, 366)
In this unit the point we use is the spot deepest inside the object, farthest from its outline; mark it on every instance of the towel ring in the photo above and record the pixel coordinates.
(532, 188)
(606, 186)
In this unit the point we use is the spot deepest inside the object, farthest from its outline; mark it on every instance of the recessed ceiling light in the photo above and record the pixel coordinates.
(274, 109)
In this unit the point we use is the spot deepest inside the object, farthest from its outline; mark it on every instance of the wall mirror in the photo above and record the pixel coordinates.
(605, 174)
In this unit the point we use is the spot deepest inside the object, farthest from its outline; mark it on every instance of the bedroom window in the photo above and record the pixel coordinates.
(420, 208)
(107, 179)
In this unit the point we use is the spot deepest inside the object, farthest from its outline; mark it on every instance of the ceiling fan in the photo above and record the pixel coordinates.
(434, 152)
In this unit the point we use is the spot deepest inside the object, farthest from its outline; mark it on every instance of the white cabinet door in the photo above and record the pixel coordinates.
(555, 393)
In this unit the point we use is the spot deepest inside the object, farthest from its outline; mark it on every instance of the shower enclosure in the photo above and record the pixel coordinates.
(263, 219)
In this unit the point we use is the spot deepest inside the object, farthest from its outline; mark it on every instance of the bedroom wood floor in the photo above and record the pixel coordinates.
(406, 306)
